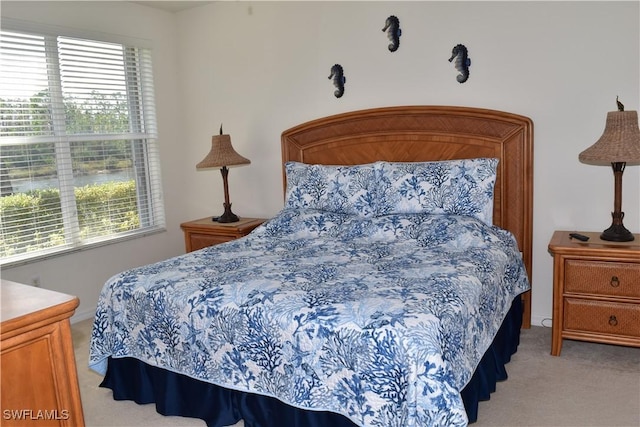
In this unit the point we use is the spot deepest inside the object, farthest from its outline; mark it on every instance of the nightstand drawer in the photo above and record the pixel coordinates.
(199, 241)
(602, 278)
(204, 232)
(602, 317)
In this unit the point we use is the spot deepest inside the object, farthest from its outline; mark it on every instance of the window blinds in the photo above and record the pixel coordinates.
(78, 157)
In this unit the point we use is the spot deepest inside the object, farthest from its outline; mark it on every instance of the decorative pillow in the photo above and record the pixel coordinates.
(341, 189)
(462, 187)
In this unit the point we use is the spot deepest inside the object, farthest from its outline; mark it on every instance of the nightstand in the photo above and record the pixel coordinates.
(596, 290)
(205, 232)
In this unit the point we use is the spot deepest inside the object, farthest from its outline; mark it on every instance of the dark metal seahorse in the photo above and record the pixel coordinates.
(462, 63)
(337, 74)
(392, 27)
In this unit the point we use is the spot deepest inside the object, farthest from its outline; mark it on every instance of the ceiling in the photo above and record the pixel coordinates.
(172, 6)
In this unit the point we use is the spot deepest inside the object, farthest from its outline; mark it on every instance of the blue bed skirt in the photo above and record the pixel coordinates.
(175, 394)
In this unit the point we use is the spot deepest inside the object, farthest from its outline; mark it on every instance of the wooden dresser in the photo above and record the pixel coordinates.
(205, 232)
(39, 381)
(596, 290)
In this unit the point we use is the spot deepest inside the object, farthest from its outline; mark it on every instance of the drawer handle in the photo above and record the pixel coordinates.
(613, 321)
(615, 282)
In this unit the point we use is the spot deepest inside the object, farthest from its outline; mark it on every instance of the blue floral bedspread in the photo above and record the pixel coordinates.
(380, 319)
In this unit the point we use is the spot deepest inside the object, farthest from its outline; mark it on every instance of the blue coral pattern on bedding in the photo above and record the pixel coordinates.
(381, 319)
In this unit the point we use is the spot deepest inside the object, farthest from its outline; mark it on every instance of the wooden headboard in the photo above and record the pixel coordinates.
(427, 133)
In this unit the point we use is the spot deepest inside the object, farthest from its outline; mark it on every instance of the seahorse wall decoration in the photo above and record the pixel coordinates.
(337, 74)
(462, 63)
(392, 27)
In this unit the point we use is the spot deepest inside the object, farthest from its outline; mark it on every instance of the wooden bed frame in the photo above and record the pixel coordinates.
(428, 133)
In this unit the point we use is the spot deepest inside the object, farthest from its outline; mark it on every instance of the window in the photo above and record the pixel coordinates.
(78, 158)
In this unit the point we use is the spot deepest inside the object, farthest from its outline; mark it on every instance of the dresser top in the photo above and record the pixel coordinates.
(20, 301)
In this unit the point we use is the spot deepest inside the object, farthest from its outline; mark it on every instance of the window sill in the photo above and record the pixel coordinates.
(62, 251)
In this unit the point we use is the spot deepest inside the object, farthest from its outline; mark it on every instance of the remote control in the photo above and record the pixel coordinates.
(580, 237)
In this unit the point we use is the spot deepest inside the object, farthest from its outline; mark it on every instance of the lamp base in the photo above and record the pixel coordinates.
(617, 233)
(227, 216)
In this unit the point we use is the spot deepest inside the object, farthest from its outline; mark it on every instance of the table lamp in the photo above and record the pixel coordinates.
(618, 146)
(222, 155)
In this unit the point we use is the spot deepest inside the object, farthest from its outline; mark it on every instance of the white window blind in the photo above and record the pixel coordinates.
(78, 157)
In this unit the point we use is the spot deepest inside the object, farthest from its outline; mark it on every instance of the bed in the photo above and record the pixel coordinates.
(389, 291)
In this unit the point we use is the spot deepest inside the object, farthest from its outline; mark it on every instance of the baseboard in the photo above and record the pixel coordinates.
(79, 316)
(541, 321)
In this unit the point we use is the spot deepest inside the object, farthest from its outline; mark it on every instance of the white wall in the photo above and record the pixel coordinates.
(262, 67)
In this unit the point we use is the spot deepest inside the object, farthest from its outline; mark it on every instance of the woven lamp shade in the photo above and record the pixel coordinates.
(620, 141)
(222, 154)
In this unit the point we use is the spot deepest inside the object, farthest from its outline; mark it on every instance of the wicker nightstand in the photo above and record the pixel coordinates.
(596, 290)
(205, 232)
